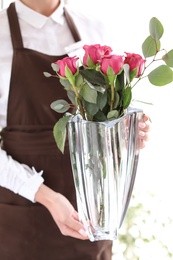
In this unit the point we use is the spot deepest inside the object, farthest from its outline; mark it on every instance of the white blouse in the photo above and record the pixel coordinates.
(48, 35)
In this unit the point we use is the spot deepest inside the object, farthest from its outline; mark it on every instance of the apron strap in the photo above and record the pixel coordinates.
(14, 27)
(72, 26)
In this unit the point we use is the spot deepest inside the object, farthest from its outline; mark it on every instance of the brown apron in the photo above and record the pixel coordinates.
(27, 230)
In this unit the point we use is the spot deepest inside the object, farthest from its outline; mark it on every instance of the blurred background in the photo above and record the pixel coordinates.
(147, 231)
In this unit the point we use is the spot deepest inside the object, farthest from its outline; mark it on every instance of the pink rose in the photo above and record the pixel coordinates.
(70, 62)
(114, 61)
(135, 61)
(95, 52)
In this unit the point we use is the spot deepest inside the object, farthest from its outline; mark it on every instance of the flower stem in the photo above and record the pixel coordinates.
(79, 102)
(82, 111)
(112, 97)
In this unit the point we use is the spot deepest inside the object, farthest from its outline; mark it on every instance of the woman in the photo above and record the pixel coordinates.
(35, 179)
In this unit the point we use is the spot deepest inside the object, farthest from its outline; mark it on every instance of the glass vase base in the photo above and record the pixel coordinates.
(98, 235)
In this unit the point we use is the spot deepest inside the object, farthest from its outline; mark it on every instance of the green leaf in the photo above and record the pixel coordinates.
(113, 114)
(99, 117)
(47, 74)
(90, 62)
(55, 67)
(119, 83)
(102, 100)
(60, 106)
(168, 58)
(111, 75)
(93, 76)
(116, 100)
(133, 74)
(59, 132)
(69, 75)
(71, 95)
(127, 96)
(79, 80)
(161, 76)
(91, 108)
(156, 29)
(89, 94)
(65, 83)
(150, 47)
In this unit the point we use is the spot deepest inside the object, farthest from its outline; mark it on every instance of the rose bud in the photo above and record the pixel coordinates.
(69, 62)
(135, 61)
(114, 61)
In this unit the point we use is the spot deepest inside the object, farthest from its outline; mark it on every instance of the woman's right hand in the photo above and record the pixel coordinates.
(63, 213)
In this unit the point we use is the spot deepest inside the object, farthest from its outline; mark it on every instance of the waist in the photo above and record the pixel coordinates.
(29, 138)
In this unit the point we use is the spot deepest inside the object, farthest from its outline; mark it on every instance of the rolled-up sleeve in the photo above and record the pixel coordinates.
(19, 178)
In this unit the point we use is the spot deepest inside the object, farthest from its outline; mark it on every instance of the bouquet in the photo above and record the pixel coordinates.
(99, 87)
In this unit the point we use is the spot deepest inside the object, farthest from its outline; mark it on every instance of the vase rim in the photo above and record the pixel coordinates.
(131, 110)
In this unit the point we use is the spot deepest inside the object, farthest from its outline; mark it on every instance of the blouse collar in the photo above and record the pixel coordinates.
(38, 20)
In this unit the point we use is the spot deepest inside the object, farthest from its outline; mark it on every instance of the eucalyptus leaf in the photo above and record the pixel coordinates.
(99, 117)
(55, 67)
(113, 114)
(156, 29)
(47, 74)
(168, 58)
(65, 83)
(60, 132)
(60, 106)
(150, 47)
(89, 94)
(161, 76)
(71, 95)
(79, 80)
(91, 108)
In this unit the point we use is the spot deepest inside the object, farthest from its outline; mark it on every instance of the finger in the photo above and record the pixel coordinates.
(75, 215)
(145, 117)
(75, 234)
(147, 123)
(68, 231)
(144, 128)
(143, 135)
(74, 223)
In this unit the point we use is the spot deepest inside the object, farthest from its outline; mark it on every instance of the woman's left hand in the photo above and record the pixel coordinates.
(144, 129)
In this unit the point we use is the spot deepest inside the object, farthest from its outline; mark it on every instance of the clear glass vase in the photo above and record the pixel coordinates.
(104, 158)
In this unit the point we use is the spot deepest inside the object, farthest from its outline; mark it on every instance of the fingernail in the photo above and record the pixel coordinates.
(83, 232)
(142, 125)
(141, 133)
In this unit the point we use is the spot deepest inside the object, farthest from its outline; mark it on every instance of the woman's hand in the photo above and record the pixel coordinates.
(144, 128)
(62, 212)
